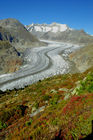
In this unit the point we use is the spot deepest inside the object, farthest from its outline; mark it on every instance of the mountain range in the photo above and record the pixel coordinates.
(54, 27)
(59, 32)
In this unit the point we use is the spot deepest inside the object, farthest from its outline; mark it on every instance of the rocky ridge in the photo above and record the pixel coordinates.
(19, 33)
(59, 32)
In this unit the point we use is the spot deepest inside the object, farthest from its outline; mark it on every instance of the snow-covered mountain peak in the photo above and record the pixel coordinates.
(59, 27)
(54, 23)
(53, 27)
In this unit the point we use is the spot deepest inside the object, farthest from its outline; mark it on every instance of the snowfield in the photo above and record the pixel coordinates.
(53, 27)
(41, 62)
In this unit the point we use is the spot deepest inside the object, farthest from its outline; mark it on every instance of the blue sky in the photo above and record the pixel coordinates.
(77, 14)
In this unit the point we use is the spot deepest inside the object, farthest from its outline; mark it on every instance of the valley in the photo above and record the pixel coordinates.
(41, 63)
(46, 82)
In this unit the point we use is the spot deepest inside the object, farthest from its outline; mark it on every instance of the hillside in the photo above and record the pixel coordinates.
(60, 32)
(5, 35)
(74, 36)
(11, 30)
(83, 58)
(19, 32)
(60, 107)
(10, 59)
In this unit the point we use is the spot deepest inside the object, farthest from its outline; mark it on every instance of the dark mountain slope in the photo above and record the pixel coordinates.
(5, 35)
(19, 32)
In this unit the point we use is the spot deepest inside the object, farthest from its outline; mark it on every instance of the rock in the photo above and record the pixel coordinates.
(15, 95)
(53, 91)
(46, 102)
(67, 96)
(75, 91)
(33, 109)
(37, 111)
(63, 89)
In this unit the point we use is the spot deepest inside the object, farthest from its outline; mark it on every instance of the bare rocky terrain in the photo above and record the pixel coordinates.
(10, 59)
